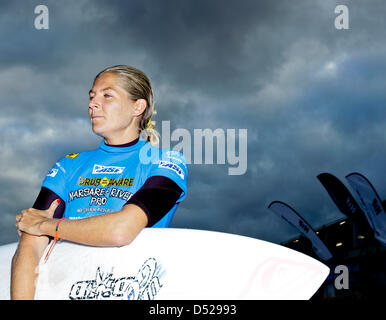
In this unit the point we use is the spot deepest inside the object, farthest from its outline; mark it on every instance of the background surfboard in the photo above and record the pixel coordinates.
(174, 264)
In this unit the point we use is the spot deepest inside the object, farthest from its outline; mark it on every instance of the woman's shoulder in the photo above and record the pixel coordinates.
(77, 157)
(172, 159)
(159, 154)
(170, 154)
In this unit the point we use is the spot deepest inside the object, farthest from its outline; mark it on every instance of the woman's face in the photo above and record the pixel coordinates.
(111, 111)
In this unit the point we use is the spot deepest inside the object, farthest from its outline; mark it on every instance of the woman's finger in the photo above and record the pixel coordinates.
(17, 229)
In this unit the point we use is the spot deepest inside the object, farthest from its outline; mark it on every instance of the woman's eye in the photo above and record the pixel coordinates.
(107, 95)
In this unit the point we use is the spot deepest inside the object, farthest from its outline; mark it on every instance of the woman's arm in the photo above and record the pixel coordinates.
(24, 264)
(115, 229)
(30, 250)
(112, 229)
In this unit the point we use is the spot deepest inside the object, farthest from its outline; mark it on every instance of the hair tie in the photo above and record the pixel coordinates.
(150, 125)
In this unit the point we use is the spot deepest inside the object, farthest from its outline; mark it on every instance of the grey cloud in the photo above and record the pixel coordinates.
(311, 97)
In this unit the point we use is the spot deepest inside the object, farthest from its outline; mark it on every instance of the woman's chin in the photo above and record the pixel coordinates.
(98, 130)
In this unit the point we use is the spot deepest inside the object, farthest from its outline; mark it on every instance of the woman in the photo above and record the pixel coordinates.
(107, 196)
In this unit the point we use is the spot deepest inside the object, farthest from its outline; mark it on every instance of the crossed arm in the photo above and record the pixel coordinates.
(112, 229)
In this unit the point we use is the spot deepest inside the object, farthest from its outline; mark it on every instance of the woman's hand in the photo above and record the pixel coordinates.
(30, 220)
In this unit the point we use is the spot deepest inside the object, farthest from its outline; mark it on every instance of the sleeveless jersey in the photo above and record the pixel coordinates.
(103, 180)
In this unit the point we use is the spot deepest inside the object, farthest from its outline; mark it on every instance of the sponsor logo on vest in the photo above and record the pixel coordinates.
(52, 173)
(60, 167)
(72, 155)
(99, 195)
(99, 169)
(172, 166)
(95, 182)
(104, 182)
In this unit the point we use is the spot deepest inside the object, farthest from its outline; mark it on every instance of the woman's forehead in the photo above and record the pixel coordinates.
(107, 77)
(106, 81)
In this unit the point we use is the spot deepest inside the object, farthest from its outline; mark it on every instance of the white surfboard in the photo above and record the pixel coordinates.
(174, 264)
(6, 254)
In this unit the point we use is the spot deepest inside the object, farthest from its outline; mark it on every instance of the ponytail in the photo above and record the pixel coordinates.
(147, 130)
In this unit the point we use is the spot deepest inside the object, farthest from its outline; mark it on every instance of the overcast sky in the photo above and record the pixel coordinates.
(311, 97)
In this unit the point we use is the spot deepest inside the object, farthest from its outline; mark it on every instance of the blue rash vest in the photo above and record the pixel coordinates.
(103, 180)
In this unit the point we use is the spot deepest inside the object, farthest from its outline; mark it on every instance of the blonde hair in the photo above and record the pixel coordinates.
(138, 86)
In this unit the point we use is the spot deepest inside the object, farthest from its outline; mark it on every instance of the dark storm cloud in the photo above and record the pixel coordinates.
(311, 97)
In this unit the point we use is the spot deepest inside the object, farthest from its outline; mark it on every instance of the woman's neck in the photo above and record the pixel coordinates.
(121, 140)
(128, 144)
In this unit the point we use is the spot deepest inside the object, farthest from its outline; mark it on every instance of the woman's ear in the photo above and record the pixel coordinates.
(140, 107)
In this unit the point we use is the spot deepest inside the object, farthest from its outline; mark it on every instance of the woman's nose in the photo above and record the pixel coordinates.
(93, 104)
